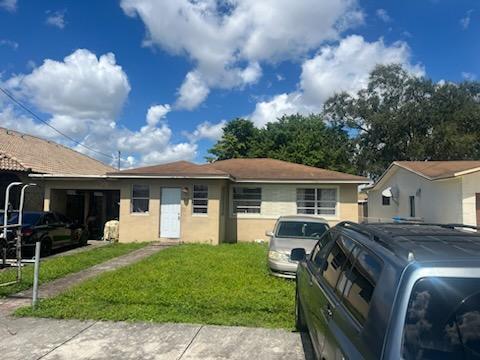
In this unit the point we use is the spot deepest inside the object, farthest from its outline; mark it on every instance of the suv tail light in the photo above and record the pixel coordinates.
(27, 232)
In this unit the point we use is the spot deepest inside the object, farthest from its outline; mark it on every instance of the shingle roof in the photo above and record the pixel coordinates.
(271, 169)
(435, 170)
(244, 170)
(22, 152)
(177, 168)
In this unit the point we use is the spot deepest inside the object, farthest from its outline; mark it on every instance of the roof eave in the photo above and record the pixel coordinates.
(303, 181)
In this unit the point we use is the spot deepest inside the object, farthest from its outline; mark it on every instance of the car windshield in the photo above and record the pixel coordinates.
(443, 319)
(301, 229)
(28, 218)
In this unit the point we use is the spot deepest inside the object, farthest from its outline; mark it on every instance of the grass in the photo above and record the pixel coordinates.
(57, 267)
(202, 284)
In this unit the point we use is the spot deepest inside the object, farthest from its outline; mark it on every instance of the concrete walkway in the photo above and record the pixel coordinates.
(55, 287)
(30, 338)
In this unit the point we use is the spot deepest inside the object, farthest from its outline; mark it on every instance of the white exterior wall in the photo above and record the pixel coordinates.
(470, 187)
(437, 201)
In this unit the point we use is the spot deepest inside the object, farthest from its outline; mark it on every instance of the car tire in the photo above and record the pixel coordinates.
(300, 324)
(46, 247)
(83, 239)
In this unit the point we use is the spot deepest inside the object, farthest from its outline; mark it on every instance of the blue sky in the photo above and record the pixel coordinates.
(208, 62)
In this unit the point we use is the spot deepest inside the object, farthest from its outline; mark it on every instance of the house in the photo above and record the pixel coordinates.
(22, 155)
(430, 191)
(225, 201)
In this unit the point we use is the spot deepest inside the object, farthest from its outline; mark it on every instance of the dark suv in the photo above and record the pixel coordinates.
(391, 291)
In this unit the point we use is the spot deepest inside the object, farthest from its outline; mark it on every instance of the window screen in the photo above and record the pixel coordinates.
(360, 284)
(317, 201)
(385, 200)
(140, 198)
(247, 200)
(200, 199)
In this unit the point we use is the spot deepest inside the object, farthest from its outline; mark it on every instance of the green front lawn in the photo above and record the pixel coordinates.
(204, 284)
(57, 267)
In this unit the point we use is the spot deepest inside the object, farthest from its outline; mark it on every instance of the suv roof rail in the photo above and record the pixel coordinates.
(454, 226)
(379, 238)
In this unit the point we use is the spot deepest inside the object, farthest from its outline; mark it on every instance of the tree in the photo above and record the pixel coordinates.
(400, 116)
(301, 139)
(238, 139)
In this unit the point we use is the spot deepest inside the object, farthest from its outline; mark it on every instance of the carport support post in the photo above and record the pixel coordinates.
(36, 274)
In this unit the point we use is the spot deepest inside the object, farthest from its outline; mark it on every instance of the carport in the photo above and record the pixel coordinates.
(92, 207)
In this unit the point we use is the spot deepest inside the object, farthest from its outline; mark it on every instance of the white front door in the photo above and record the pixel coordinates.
(170, 213)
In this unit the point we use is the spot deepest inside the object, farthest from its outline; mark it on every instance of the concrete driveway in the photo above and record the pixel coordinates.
(29, 338)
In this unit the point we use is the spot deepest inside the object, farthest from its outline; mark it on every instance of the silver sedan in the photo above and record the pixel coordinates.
(292, 232)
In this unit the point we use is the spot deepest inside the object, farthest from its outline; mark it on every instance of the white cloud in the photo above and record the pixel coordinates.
(193, 91)
(56, 19)
(84, 94)
(156, 113)
(206, 130)
(228, 40)
(344, 67)
(9, 5)
(468, 76)
(279, 105)
(465, 21)
(383, 15)
(9, 43)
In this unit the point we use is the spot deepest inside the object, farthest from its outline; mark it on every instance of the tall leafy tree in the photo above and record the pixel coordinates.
(301, 139)
(238, 141)
(400, 116)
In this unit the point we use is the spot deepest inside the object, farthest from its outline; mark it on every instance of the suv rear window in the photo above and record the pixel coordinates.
(443, 319)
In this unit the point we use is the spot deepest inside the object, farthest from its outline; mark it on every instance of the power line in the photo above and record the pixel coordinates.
(25, 108)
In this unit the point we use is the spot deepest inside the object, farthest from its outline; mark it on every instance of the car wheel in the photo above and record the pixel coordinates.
(83, 238)
(300, 324)
(46, 247)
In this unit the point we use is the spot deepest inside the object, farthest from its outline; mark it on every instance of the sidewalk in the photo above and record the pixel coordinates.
(55, 287)
(30, 338)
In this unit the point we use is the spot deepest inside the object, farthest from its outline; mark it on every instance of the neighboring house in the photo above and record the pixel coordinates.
(225, 201)
(22, 155)
(430, 191)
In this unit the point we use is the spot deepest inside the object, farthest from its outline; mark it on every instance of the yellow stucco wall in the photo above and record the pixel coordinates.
(146, 226)
(220, 225)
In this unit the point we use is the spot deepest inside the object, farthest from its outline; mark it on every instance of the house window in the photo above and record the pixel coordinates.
(385, 200)
(317, 201)
(412, 206)
(247, 200)
(140, 198)
(200, 199)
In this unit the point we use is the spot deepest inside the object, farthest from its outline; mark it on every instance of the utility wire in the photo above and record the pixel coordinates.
(25, 108)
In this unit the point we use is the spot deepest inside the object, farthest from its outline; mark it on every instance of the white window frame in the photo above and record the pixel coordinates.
(234, 213)
(316, 201)
(199, 206)
(139, 198)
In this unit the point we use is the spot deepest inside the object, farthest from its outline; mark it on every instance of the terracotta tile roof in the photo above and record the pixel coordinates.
(9, 163)
(271, 169)
(177, 168)
(439, 169)
(244, 169)
(26, 152)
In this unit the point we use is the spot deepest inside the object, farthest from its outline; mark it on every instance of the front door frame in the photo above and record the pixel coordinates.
(179, 216)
